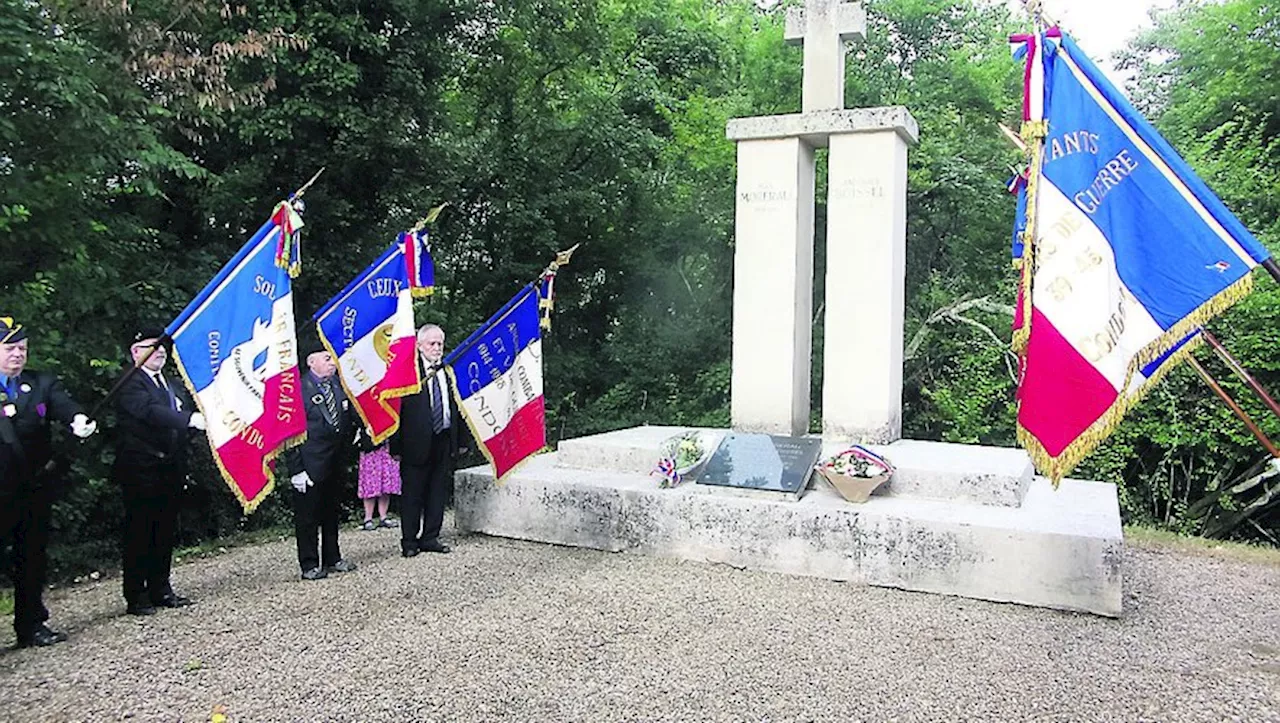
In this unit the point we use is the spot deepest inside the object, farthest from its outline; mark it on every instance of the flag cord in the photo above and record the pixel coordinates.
(1033, 135)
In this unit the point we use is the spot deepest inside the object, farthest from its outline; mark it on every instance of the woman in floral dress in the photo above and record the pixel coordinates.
(379, 479)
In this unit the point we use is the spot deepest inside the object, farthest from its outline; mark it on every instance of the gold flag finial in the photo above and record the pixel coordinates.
(562, 258)
(431, 217)
(546, 300)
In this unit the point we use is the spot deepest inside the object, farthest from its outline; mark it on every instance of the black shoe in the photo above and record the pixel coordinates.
(314, 573)
(140, 609)
(409, 551)
(435, 546)
(341, 566)
(43, 637)
(173, 601)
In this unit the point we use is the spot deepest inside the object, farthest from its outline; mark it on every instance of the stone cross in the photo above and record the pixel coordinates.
(823, 26)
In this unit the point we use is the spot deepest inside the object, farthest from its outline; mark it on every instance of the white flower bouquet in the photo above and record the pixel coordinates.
(856, 472)
(681, 454)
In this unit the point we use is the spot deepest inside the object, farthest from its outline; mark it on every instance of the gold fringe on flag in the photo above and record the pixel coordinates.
(1059, 466)
(1033, 135)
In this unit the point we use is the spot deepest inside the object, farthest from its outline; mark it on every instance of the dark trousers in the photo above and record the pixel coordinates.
(150, 520)
(315, 513)
(24, 523)
(424, 490)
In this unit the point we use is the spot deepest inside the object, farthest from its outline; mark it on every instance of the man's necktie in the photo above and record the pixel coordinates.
(437, 405)
(330, 404)
(158, 379)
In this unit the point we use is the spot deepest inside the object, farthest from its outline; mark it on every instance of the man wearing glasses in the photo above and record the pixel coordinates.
(153, 422)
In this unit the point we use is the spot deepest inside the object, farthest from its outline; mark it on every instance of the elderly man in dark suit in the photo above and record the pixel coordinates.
(317, 467)
(29, 401)
(153, 423)
(427, 445)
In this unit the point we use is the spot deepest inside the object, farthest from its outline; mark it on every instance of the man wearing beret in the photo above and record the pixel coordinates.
(153, 422)
(29, 402)
(317, 466)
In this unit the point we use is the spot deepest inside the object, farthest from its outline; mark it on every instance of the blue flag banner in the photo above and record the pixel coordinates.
(497, 373)
(369, 329)
(1127, 253)
(236, 347)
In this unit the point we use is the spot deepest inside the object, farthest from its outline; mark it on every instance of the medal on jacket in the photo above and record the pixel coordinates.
(318, 399)
(10, 410)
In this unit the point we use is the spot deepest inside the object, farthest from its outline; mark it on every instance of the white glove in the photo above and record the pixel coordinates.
(83, 427)
(301, 481)
(197, 421)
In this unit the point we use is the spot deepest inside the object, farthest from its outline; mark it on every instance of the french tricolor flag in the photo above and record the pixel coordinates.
(1126, 255)
(369, 329)
(236, 347)
(497, 373)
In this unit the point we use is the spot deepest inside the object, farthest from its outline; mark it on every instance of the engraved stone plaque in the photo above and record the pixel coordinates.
(762, 462)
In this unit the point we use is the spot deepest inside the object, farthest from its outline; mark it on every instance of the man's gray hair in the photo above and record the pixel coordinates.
(428, 327)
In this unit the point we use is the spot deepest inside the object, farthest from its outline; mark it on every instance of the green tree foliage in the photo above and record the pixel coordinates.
(1207, 75)
(141, 143)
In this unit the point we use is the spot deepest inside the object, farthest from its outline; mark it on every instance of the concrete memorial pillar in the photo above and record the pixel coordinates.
(773, 286)
(866, 270)
(773, 257)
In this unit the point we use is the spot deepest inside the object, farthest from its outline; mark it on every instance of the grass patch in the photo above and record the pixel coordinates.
(6, 602)
(220, 545)
(1152, 538)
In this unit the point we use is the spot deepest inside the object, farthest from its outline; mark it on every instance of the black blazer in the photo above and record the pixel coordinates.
(324, 451)
(412, 441)
(26, 442)
(149, 431)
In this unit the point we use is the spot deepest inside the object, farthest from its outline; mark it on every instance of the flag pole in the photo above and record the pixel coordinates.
(431, 217)
(1243, 415)
(115, 388)
(562, 258)
(1273, 269)
(298, 193)
(1241, 372)
(164, 336)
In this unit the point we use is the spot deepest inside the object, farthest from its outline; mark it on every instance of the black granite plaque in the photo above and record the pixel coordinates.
(762, 462)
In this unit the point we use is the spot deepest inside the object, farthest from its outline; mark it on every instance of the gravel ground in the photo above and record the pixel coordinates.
(504, 630)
